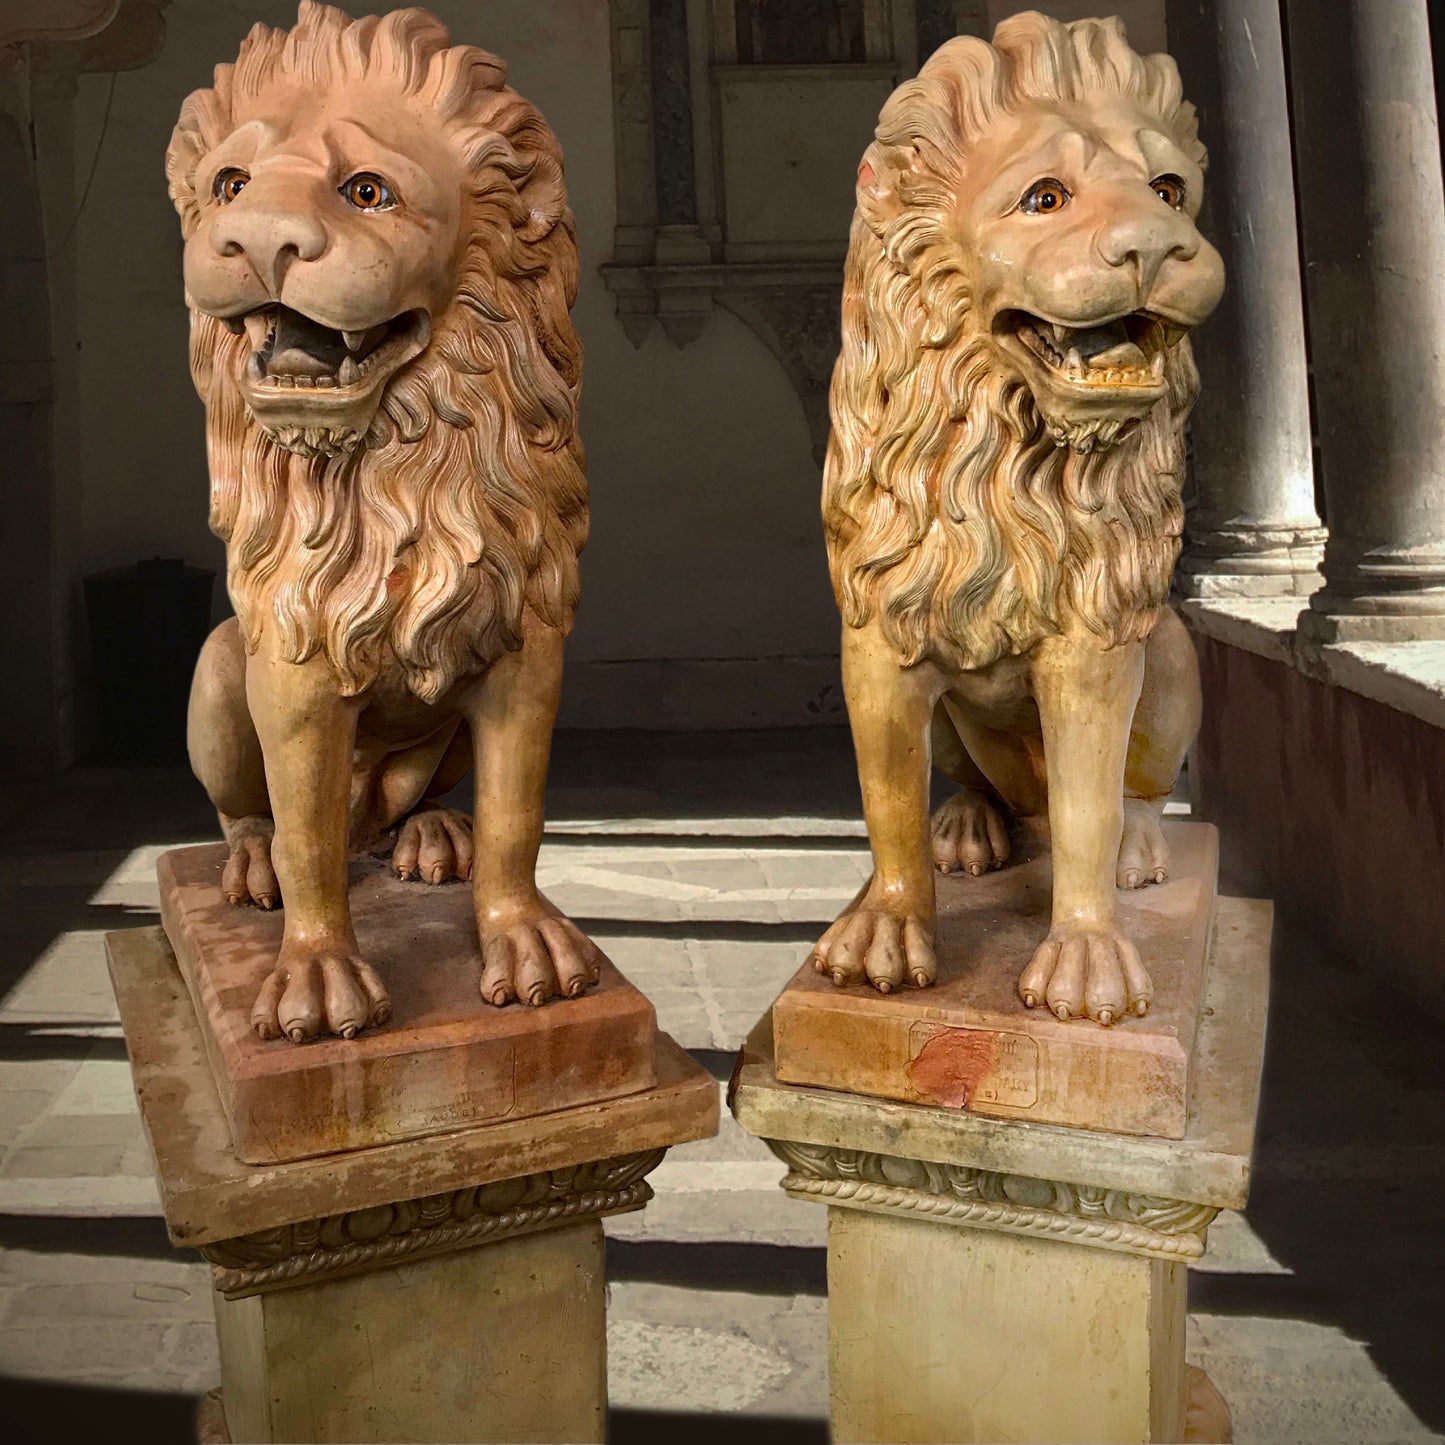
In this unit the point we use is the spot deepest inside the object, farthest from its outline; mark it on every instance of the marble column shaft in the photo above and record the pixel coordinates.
(1253, 530)
(1367, 155)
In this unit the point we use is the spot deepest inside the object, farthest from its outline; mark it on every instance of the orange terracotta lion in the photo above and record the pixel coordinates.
(379, 263)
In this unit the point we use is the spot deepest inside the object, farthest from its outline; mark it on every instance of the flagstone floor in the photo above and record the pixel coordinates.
(704, 865)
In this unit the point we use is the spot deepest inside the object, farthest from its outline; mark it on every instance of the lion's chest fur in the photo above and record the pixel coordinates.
(999, 695)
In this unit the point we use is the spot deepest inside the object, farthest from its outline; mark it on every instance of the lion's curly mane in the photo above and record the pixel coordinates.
(468, 501)
(951, 513)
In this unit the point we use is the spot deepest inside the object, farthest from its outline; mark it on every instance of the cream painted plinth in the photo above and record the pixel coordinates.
(503, 1342)
(448, 1288)
(967, 1334)
(994, 1279)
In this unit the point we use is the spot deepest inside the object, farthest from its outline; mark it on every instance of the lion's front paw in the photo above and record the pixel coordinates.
(1087, 972)
(1143, 853)
(970, 834)
(873, 944)
(319, 990)
(433, 844)
(537, 958)
(249, 876)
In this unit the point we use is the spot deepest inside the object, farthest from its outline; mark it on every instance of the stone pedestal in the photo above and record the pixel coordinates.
(968, 1042)
(446, 1059)
(997, 1279)
(441, 1288)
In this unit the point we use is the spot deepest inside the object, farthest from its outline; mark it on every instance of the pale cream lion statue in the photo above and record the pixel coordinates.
(379, 264)
(1002, 489)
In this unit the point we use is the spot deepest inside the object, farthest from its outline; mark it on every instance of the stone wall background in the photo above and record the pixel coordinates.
(705, 576)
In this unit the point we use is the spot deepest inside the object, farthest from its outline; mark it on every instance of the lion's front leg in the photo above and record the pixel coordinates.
(1086, 696)
(886, 937)
(320, 983)
(529, 950)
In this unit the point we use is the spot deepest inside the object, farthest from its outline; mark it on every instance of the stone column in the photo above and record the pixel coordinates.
(1367, 155)
(1254, 531)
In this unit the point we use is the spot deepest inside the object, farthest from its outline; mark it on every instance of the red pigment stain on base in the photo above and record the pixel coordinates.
(952, 1064)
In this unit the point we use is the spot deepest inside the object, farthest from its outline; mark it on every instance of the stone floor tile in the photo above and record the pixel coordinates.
(709, 1351)
(68, 983)
(1294, 1380)
(19, 1108)
(88, 1352)
(80, 1196)
(62, 1161)
(138, 1298)
(1234, 1248)
(107, 1132)
(185, 1271)
(99, 1086)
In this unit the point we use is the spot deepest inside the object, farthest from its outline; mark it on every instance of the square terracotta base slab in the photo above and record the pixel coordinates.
(446, 1061)
(968, 1042)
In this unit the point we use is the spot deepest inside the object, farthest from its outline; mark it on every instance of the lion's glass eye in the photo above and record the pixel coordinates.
(1170, 190)
(368, 192)
(1045, 197)
(229, 184)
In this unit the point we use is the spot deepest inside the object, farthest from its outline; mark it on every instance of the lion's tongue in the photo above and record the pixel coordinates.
(304, 348)
(1103, 347)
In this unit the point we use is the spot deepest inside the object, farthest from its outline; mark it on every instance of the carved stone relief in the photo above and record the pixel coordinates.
(434, 1224)
(1090, 1214)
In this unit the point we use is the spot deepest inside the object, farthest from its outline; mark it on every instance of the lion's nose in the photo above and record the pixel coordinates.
(1145, 241)
(268, 237)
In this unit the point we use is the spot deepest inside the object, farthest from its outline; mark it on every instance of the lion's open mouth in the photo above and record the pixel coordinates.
(289, 350)
(1123, 355)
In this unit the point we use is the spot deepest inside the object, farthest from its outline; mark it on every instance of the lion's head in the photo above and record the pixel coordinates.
(1009, 402)
(380, 262)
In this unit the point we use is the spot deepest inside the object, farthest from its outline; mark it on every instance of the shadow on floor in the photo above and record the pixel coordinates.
(111, 1235)
(1349, 1184)
(662, 1427)
(33, 1412)
(758, 1269)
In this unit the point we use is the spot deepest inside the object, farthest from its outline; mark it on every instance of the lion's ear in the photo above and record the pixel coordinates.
(884, 176)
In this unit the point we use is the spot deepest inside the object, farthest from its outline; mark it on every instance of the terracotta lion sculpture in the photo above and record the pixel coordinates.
(1001, 492)
(379, 264)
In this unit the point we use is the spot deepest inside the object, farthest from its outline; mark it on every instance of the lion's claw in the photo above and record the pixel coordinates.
(873, 945)
(1091, 973)
(434, 844)
(970, 834)
(328, 991)
(249, 876)
(1143, 853)
(537, 959)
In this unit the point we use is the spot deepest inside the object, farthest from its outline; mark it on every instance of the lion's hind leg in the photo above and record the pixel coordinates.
(433, 844)
(249, 876)
(1143, 853)
(970, 832)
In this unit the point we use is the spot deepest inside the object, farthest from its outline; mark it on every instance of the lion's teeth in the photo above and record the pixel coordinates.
(348, 373)
(258, 328)
(354, 339)
(326, 380)
(1075, 362)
